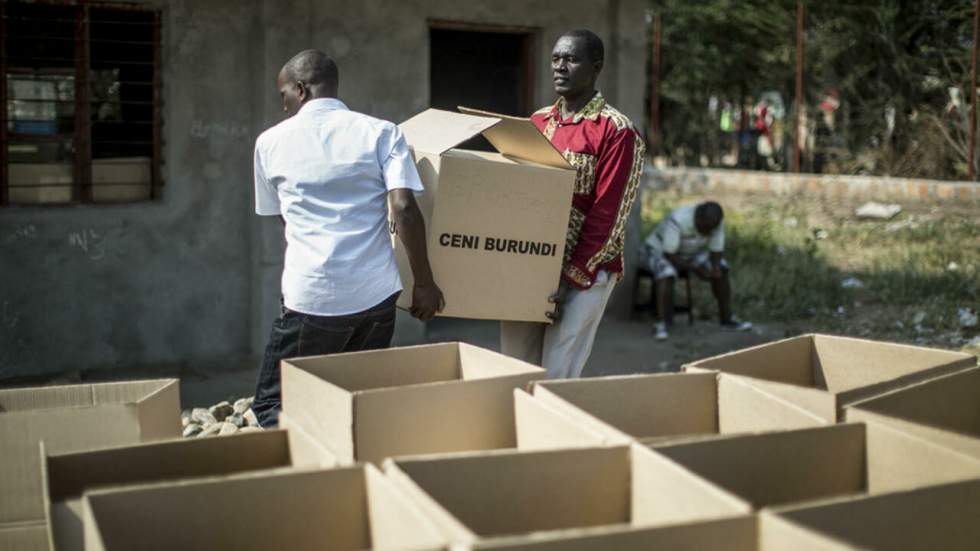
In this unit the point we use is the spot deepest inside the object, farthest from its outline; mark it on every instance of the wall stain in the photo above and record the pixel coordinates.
(28, 231)
(8, 319)
(90, 241)
(205, 130)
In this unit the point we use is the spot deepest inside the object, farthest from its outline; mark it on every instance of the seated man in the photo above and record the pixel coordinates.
(691, 238)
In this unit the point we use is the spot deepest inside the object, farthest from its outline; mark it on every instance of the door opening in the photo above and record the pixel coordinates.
(484, 67)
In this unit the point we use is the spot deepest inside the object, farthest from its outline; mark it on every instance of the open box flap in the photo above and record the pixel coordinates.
(518, 137)
(437, 131)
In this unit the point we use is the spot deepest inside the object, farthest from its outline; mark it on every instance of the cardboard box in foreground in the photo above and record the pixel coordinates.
(70, 418)
(366, 406)
(781, 468)
(741, 533)
(659, 408)
(944, 410)
(824, 374)
(495, 222)
(326, 510)
(68, 476)
(925, 519)
(478, 497)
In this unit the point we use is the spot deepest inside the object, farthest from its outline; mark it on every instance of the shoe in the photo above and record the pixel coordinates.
(736, 324)
(660, 331)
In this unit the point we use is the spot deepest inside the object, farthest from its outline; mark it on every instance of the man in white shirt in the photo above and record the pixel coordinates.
(691, 239)
(330, 174)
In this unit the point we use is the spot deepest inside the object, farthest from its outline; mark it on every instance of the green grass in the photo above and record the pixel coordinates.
(786, 270)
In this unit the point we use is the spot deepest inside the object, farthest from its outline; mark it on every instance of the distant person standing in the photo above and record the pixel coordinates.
(607, 153)
(691, 238)
(330, 173)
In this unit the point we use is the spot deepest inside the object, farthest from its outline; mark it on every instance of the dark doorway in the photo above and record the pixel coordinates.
(489, 68)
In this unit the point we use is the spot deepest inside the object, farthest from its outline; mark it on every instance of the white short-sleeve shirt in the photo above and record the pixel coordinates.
(677, 234)
(327, 171)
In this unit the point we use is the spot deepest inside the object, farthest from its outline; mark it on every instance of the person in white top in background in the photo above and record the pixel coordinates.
(330, 173)
(691, 238)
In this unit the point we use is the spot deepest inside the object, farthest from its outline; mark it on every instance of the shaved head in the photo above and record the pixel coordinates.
(707, 216)
(310, 74)
(592, 44)
(313, 68)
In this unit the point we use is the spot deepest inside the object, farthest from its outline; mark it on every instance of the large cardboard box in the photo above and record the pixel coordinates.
(665, 407)
(70, 418)
(478, 497)
(326, 510)
(495, 222)
(780, 468)
(824, 374)
(69, 475)
(366, 406)
(945, 410)
(741, 533)
(925, 519)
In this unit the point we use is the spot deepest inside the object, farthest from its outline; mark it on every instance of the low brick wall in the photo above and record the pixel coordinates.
(697, 180)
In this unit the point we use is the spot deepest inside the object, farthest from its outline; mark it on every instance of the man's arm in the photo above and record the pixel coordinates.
(678, 261)
(716, 244)
(617, 178)
(402, 179)
(715, 259)
(410, 226)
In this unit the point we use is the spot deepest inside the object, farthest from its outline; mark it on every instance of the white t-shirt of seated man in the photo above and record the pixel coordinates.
(677, 234)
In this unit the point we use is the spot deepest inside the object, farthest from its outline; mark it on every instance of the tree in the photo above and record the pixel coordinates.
(898, 67)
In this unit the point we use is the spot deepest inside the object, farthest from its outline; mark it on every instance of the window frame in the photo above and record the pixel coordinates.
(82, 187)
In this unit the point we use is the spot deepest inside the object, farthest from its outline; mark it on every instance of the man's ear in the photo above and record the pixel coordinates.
(302, 92)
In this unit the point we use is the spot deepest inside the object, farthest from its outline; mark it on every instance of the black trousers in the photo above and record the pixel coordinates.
(295, 334)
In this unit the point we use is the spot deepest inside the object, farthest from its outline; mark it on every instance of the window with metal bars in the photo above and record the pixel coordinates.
(82, 103)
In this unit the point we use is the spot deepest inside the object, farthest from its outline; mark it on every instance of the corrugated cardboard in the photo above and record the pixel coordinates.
(780, 468)
(824, 374)
(477, 497)
(741, 533)
(69, 475)
(70, 418)
(495, 222)
(15, 537)
(306, 451)
(337, 509)
(925, 519)
(944, 410)
(659, 408)
(366, 406)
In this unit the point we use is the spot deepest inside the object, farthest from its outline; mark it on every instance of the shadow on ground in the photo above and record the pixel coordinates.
(623, 347)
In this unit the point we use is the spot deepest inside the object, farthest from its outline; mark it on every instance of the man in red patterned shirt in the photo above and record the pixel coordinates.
(607, 153)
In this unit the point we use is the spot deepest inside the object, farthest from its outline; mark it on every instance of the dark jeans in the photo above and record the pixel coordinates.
(295, 334)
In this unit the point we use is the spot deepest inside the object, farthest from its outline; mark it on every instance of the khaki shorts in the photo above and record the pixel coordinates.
(662, 268)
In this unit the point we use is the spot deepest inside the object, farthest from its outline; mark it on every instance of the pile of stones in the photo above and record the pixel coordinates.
(220, 419)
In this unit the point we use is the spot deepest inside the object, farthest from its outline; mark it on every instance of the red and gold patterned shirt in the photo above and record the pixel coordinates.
(607, 154)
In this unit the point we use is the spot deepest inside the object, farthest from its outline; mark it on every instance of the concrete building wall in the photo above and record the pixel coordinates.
(193, 278)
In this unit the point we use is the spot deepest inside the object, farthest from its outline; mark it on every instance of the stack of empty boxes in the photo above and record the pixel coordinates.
(815, 442)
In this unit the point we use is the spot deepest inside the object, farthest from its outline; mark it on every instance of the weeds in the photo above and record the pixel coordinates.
(790, 259)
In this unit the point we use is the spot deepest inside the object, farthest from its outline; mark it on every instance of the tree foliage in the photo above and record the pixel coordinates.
(907, 57)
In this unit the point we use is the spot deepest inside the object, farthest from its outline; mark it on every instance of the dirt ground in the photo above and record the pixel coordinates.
(623, 347)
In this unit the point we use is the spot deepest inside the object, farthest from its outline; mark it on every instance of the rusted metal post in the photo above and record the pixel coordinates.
(82, 190)
(799, 86)
(5, 113)
(655, 87)
(973, 95)
(156, 176)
